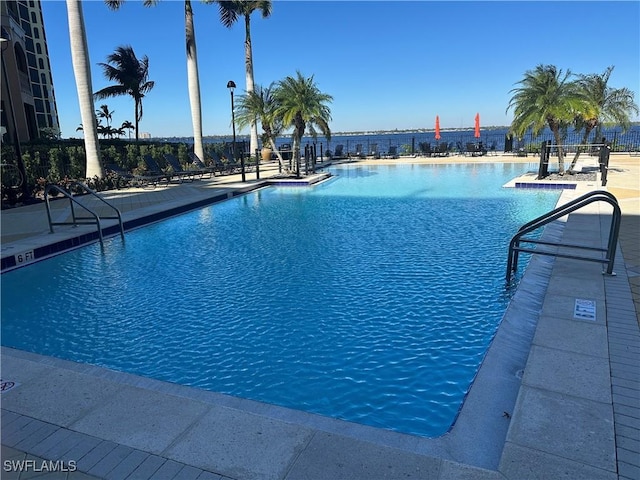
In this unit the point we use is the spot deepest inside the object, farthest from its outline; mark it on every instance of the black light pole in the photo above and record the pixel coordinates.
(24, 187)
(231, 85)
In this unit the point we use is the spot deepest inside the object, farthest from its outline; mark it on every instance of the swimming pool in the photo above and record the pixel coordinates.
(371, 298)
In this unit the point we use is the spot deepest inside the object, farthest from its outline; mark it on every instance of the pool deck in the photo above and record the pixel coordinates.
(558, 395)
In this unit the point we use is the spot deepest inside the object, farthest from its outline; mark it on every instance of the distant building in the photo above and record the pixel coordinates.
(145, 135)
(28, 102)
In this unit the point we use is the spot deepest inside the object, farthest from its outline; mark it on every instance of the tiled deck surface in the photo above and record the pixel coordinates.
(575, 413)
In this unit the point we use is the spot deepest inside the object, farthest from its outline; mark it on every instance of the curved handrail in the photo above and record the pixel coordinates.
(110, 205)
(595, 196)
(73, 201)
(568, 206)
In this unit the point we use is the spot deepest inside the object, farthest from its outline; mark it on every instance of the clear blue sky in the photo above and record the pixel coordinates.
(387, 64)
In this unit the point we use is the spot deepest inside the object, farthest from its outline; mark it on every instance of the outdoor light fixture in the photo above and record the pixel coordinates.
(231, 85)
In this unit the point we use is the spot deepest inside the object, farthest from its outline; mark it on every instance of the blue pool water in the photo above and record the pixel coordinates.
(372, 297)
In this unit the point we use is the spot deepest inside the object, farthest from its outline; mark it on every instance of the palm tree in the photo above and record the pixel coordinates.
(107, 114)
(261, 104)
(131, 75)
(127, 125)
(607, 104)
(229, 13)
(82, 73)
(301, 104)
(105, 131)
(193, 78)
(546, 97)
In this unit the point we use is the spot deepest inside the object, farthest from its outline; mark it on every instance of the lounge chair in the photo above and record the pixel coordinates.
(221, 164)
(180, 173)
(425, 149)
(286, 151)
(200, 166)
(471, 149)
(392, 153)
(373, 151)
(250, 163)
(359, 153)
(519, 148)
(153, 172)
(442, 150)
(476, 149)
(338, 153)
(123, 179)
(233, 164)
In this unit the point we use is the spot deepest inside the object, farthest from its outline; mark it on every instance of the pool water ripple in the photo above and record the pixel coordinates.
(372, 298)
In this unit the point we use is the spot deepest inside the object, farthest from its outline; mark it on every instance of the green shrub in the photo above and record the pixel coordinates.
(63, 161)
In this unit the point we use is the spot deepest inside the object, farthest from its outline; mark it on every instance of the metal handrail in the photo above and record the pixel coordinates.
(595, 196)
(80, 220)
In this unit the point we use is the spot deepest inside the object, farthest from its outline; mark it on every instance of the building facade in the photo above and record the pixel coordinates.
(28, 101)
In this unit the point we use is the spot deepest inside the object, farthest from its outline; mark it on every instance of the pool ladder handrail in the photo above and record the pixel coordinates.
(81, 220)
(594, 196)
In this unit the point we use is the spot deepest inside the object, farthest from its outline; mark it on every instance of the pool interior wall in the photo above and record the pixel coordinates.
(201, 214)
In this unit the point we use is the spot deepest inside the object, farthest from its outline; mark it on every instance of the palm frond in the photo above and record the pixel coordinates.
(229, 12)
(111, 91)
(114, 4)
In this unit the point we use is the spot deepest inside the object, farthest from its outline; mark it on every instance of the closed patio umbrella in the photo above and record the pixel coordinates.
(477, 130)
(437, 127)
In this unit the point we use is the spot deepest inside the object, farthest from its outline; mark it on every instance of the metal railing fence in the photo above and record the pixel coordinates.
(409, 144)
(54, 161)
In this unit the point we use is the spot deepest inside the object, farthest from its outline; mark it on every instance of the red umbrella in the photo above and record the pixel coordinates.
(477, 132)
(437, 127)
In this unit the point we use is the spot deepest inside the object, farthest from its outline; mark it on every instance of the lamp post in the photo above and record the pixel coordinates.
(16, 141)
(231, 85)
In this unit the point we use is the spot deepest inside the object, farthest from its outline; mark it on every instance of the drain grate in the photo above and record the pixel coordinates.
(585, 309)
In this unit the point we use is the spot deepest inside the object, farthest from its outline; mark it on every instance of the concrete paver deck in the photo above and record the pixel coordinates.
(568, 407)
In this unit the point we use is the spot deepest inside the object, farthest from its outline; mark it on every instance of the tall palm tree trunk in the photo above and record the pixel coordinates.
(584, 141)
(558, 139)
(248, 61)
(278, 154)
(193, 80)
(296, 155)
(82, 73)
(299, 129)
(137, 116)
